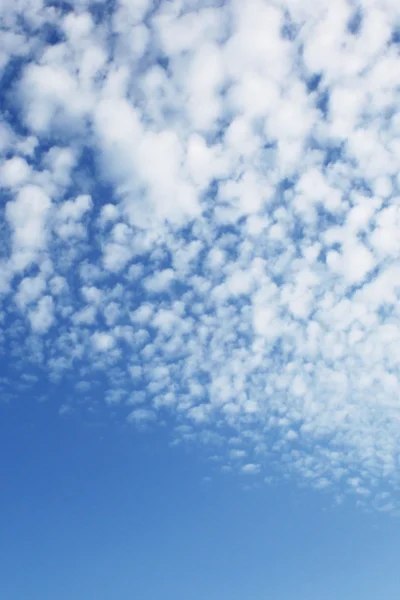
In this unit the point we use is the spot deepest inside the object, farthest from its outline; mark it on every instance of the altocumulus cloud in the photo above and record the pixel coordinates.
(201, 211)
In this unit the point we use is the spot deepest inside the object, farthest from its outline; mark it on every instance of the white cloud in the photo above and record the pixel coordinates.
(47, 91)
(58, 284)
(42, 317)
(212, 203)
(14, 172)
(60, 162)
(141, 416)
(87, 316)
(142, 314)
(29, 289)
(109, 213)
(159, 282)
(116, 256)
(69, 215)
(27, 216)
(250, 469)
(102, 341)
(92, 294)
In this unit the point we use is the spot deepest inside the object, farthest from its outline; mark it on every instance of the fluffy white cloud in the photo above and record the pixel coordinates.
(29, 289)
(68, 218)
(27, 216)
(14, 172)
(42, 316)
(141, 416)
(250, 468)
(102, 341)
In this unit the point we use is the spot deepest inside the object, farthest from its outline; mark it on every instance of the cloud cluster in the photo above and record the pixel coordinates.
(200, 224)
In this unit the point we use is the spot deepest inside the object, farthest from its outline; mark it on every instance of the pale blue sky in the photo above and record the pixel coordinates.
(94, 512)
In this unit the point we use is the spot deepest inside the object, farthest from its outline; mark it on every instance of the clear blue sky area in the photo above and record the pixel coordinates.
(94, 512)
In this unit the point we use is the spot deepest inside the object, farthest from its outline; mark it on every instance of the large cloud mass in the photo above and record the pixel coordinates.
(200, 212)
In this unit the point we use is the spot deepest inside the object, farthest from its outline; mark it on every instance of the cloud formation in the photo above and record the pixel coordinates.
(200, 207)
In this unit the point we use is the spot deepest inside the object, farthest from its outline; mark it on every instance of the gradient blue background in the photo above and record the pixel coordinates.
(99, 512)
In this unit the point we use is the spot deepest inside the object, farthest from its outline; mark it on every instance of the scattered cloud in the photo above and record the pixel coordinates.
(200, 208)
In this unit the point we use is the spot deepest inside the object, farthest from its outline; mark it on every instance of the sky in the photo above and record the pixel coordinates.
(199, 299)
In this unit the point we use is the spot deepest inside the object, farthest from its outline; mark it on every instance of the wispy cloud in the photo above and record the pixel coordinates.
(200, 208)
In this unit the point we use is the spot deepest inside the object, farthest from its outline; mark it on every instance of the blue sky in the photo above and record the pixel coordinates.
(199, 287)
(98, 513)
